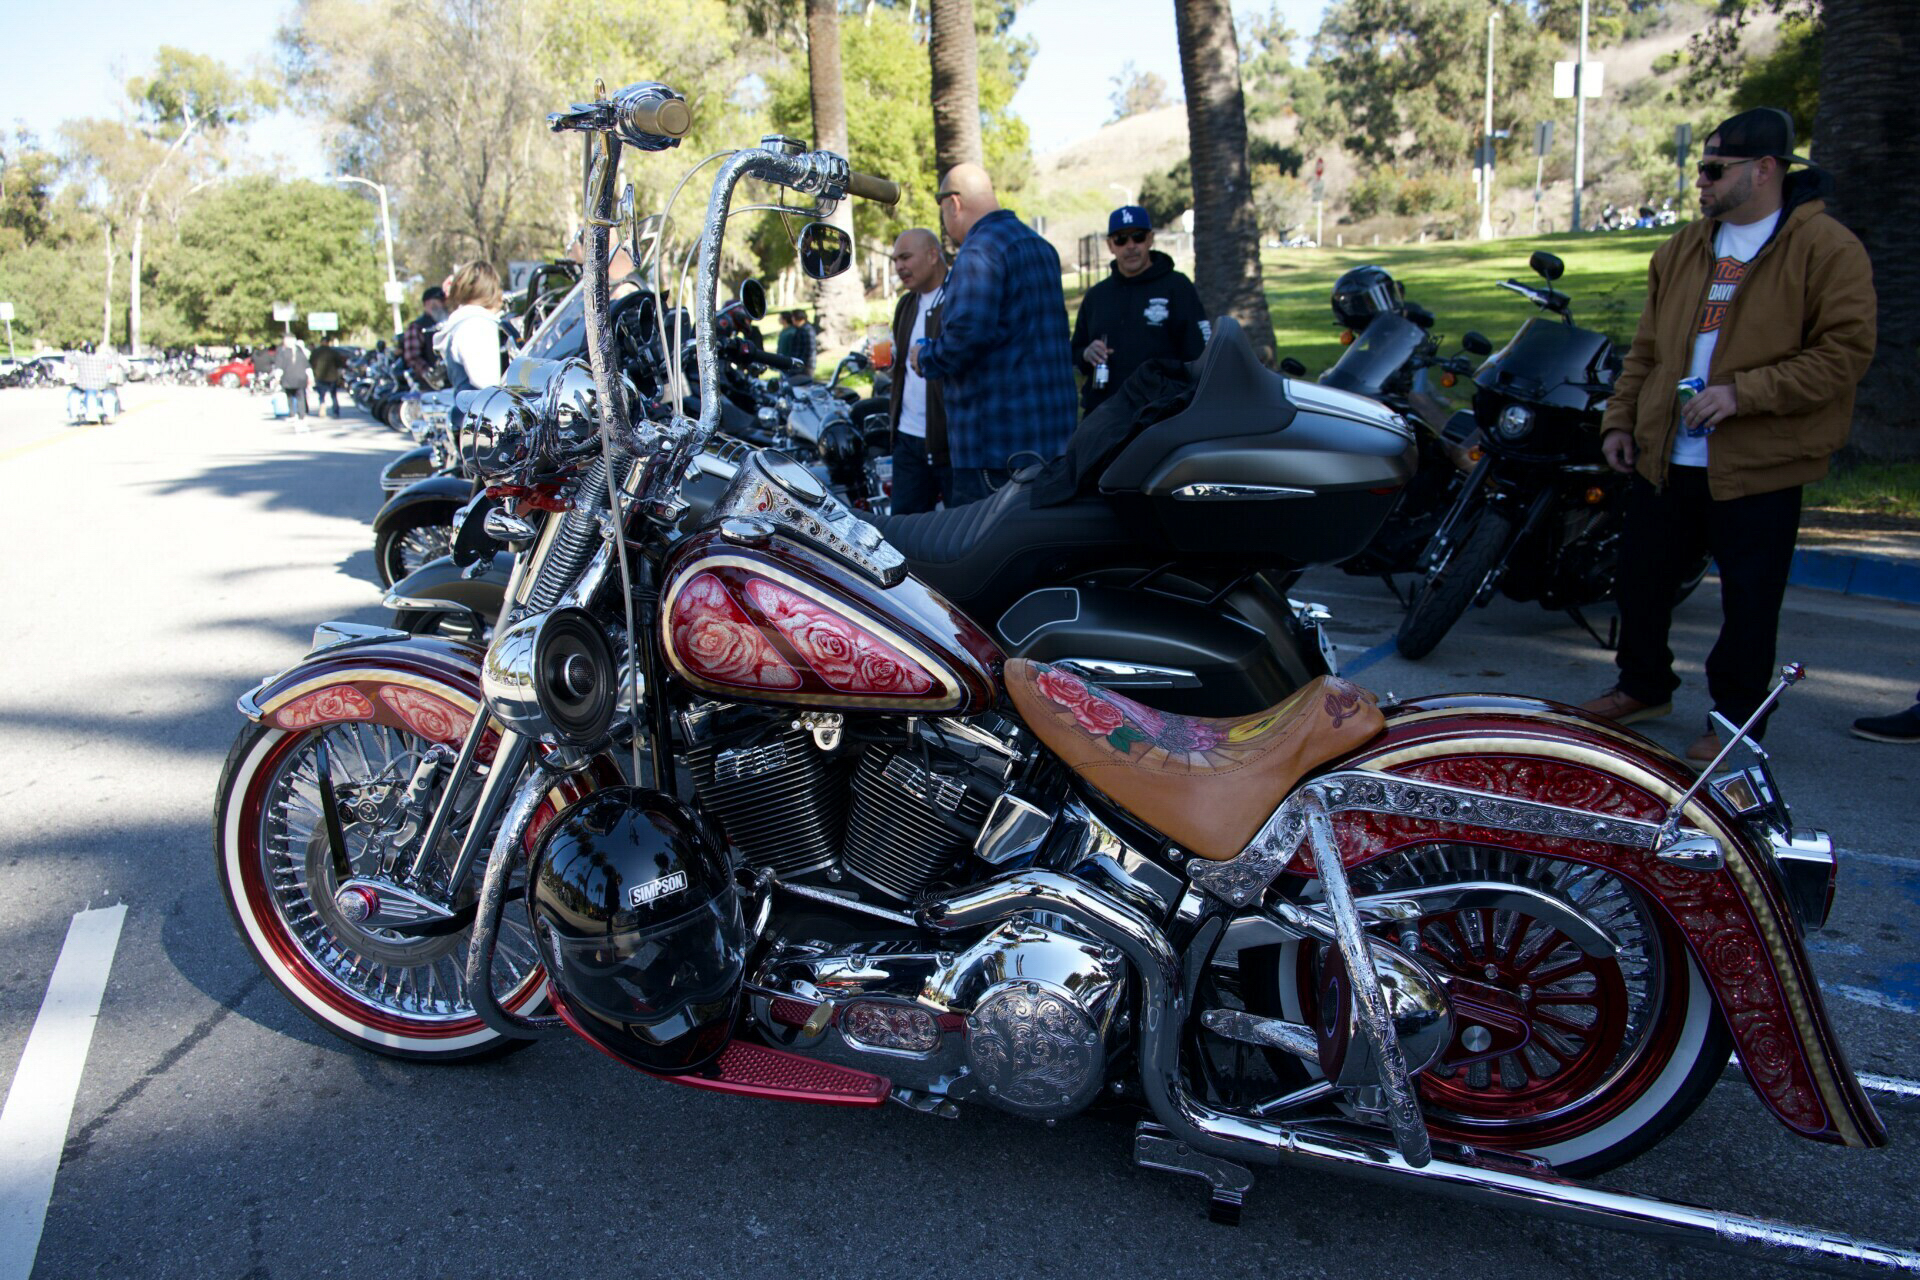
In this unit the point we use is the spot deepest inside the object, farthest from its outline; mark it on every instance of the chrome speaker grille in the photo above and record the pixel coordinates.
(778, 799)
(909, 823)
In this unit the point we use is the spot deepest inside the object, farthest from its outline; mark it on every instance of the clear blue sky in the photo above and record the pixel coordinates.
(71, 59)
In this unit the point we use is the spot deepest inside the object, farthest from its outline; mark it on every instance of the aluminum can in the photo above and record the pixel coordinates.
(1687, 389)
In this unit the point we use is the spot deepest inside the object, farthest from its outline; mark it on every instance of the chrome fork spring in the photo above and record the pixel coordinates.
(579, 531)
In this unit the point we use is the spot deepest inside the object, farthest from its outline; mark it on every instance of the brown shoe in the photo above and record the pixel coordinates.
(1704, 749)
(1623, 709)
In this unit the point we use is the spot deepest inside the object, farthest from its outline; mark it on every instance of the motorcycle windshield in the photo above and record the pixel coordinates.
(564, 332)
(1548, 362)
(1378, 351)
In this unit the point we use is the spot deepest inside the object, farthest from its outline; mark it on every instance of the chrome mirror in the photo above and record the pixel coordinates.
(825, 250)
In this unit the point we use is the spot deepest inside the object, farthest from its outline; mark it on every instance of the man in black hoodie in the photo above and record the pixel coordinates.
(1144, 310)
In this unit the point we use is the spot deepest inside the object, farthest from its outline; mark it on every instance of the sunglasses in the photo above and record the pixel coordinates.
(1129, 237)
(1714, 170)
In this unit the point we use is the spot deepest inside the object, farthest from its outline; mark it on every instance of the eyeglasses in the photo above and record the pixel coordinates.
(1714, 170)
(1128, 237)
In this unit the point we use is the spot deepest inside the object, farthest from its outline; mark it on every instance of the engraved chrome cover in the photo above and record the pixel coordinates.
(1242, 878)
(765, 489)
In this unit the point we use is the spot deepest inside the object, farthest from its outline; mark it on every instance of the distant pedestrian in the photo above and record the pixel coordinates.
(1144, 310)
(263, 358)
(95, 375)
(294, 368)
(327, 361)
(416, 341)
(798, 340)
(1002, 357)
(469, 340)
(922, 466)
(1766, 307)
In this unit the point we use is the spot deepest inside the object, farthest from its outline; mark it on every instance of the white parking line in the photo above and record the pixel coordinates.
(39, 1106)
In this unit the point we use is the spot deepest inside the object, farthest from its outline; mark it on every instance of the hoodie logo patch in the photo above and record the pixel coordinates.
(1157, 311)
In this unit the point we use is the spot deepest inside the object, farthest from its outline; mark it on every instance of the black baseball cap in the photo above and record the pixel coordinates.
(434, 291)
(1763, 131)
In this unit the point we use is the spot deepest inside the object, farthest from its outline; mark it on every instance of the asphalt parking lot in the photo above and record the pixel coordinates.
(164, 563)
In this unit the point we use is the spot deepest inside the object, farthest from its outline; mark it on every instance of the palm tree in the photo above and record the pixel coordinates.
(955, 59)
(1226, 237)
(1863, 133)
(839, 301)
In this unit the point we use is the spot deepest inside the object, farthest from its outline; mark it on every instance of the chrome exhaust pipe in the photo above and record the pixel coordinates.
(1205, 1131)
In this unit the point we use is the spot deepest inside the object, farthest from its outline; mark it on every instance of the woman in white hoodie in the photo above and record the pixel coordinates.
(469, 338)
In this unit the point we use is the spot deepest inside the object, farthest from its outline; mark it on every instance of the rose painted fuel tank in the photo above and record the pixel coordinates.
(779, 622)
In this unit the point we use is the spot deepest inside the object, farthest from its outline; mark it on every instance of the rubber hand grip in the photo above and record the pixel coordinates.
(868, 187)
(666, 118)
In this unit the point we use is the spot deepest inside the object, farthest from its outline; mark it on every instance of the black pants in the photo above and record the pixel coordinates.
(1751, 539)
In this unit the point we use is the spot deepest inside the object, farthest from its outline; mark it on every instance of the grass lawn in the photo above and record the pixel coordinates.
(1871, 488)
(1457, 281)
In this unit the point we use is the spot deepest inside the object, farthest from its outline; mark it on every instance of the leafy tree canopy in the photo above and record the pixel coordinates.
(259, 240)
(1136, 92)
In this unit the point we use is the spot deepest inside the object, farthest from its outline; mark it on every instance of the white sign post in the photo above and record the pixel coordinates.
(283, 313)
(323, 322)
(6, 314)
(396, 292)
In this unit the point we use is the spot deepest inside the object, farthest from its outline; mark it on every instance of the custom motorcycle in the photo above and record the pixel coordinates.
(1540, 515)
(752, 809)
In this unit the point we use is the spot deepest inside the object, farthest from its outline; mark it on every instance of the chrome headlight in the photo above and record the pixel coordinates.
(498, 431)
(1514, 422)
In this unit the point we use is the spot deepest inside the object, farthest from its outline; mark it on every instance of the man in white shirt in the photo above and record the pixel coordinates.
(922, 470)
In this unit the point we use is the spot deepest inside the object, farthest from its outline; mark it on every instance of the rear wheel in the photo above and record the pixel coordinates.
(1616, 1050)
(393, 994)
(229, 380)
(1443, 598)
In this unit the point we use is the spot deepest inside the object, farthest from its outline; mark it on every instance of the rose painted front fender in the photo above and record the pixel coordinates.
(419, 684)
(1736, 921)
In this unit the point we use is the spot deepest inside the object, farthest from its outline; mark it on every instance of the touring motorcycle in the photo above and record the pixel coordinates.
(750, 808)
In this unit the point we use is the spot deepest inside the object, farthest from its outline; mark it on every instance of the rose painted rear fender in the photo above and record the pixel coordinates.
(417, 684)
(1736, 921)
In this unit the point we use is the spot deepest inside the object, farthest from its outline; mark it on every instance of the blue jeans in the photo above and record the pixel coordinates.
(918, 481)
(974, 484)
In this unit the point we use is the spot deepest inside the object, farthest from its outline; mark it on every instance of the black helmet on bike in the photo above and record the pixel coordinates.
(639, 925)
(1363, 293)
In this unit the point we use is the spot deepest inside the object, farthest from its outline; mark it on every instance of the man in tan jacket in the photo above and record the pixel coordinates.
(1767, 302)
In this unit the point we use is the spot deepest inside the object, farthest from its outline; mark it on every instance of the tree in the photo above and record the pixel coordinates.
(1788, 77)
(838, 301)
(1226, 238)
(1406, 77)
(1135, 92)
(954, 56)
(250, 242)
(188, 93)
(1863, 134)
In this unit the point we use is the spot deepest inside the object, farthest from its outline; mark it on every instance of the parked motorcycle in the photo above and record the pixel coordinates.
(1540, 515)
(1392, 355)
(751, 809)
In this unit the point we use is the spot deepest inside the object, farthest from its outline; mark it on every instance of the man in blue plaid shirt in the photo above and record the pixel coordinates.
(1003, 356)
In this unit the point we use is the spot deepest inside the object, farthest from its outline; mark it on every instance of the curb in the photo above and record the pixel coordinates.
(1856, 575)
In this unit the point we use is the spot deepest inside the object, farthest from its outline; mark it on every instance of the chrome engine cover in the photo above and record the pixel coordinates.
(1024, 1019)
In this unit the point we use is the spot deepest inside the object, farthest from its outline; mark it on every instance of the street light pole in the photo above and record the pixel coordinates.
(1486, 141)
(1580, 119)
(386, 231)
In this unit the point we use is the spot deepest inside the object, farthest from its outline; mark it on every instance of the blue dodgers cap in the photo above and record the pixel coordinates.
(1129, 217)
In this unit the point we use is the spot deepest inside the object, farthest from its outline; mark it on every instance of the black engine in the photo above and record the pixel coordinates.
(893, 805)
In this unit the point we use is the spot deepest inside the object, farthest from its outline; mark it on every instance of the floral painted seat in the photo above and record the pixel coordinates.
(1207, 784)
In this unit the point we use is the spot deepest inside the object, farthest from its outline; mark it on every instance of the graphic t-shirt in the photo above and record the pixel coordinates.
(1733, 248)
(913, 393)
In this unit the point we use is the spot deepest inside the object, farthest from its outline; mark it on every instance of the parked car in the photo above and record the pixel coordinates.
(237, 372)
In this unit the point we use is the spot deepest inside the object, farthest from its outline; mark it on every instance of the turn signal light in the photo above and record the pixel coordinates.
(1596, 495)
(1447, 379)
(1346, 337)
(1476, 453)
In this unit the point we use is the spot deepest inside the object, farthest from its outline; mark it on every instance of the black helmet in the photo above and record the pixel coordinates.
(634, 908)
(1363, 293)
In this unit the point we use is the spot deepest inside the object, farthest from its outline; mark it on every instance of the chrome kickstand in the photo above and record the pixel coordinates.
(1155, 1147)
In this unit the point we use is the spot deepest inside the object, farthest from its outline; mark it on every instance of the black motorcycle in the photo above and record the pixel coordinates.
(1539, 517)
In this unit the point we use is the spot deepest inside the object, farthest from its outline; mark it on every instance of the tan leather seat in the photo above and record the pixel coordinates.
(1205, 784)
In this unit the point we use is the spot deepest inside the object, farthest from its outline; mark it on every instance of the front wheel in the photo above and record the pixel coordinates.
(423, 533)
(1615, 1050)
(393, 994)
(1442, 599)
